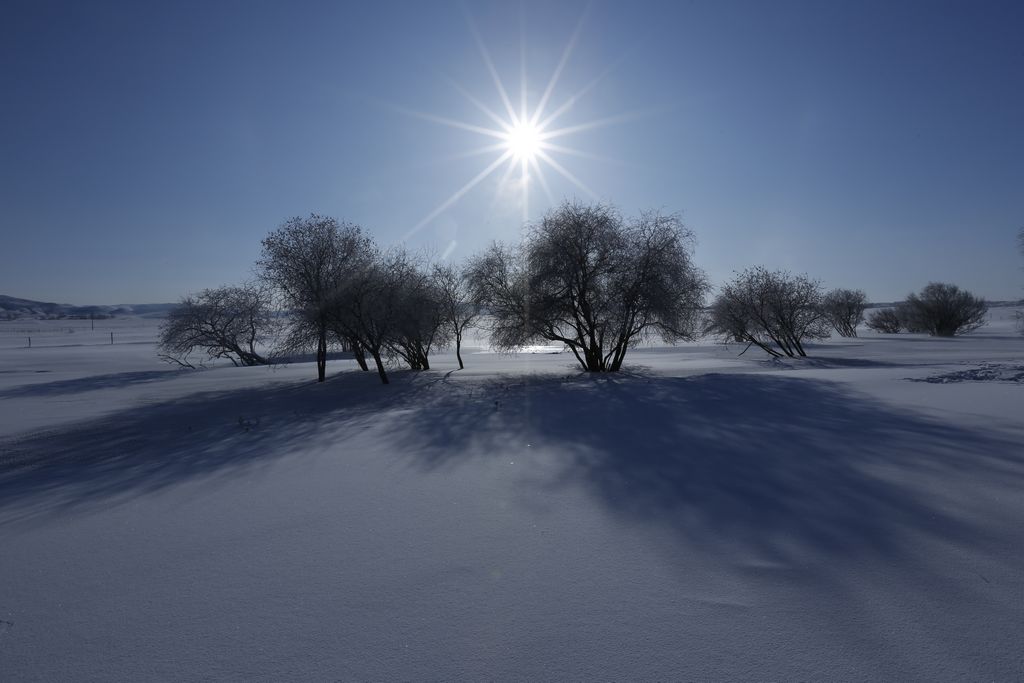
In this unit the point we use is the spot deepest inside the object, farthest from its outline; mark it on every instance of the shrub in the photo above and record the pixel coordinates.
(226, 322)
(774, 310)
(844, 309)
(943, 310)
(885, 320)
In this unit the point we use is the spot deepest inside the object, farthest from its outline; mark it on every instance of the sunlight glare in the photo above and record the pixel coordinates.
(524, 141)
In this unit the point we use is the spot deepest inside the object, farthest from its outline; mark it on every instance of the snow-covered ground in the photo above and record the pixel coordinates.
(701, 516)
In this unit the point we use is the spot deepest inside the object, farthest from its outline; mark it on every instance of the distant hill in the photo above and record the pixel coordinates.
(12, 308)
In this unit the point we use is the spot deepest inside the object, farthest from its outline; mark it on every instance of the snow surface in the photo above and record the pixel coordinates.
(701, 516)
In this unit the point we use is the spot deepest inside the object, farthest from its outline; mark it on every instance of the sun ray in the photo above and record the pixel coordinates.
(569, 47)
(475, 152)
(522, 68)
(525, 162)
(479, 105)
(501, 184)
(449, 249)
(543, 180)
(493, 71)
(571, 151)
(453, 123)
(458, 194)
(567, 174)
(574, 98)
(590, 125)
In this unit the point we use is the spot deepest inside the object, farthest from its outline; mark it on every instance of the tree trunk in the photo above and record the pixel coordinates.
(321, 356)
(380, 367)
(359, 354)
(458, 350)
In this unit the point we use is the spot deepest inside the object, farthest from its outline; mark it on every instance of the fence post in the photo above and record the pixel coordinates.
(30, 342)
(111, 338)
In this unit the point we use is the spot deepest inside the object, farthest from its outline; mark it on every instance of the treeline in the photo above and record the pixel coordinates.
(583, 276)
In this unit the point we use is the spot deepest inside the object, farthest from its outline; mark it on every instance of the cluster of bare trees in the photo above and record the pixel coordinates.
(584, 276)
(779, 312)
(345, 291)
(337, 289)
(940, 309)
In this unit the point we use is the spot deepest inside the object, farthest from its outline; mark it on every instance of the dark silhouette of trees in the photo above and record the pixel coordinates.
(844, 310)
(942, 310)
(361, 311)
(225, 322)
(885, 320)
(458, 310)
(418, 326)
(389, 307)
(308, 260)
(774, 310)
(585, 277)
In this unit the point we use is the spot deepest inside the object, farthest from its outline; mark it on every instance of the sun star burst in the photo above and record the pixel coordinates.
(523, 139)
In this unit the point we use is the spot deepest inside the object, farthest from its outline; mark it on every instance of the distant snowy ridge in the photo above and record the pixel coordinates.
(12, 308)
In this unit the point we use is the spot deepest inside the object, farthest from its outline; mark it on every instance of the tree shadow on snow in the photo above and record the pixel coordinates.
(770, 464)
(763, 462)
(92, 383)
(135, 452)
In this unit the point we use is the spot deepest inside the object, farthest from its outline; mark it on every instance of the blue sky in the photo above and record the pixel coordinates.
(146, 149)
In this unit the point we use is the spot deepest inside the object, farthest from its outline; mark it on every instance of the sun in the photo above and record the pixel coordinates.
(522, 136)
(524, 141)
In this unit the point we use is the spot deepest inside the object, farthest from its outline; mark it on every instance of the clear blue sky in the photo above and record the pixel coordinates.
(147, 148)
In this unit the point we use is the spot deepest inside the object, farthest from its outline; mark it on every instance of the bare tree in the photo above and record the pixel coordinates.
(885, 320)
(418, 326)
(943, 310)
(308, 260)
(225, 322)
(458, 310)
(844, 310)
(774, 310)
(371, 307)
(588, 279)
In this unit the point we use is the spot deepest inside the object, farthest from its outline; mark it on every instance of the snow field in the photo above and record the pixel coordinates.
(702, 516)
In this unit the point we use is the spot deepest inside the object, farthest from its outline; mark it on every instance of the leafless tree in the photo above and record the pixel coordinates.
(585, 277)
(361, 310)
(308, 261)
(458, 310)
(943, 310)
(885, 320)
(225, 322)
(774, 310)
(386, 307)
(418, 326)
(844, 310)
